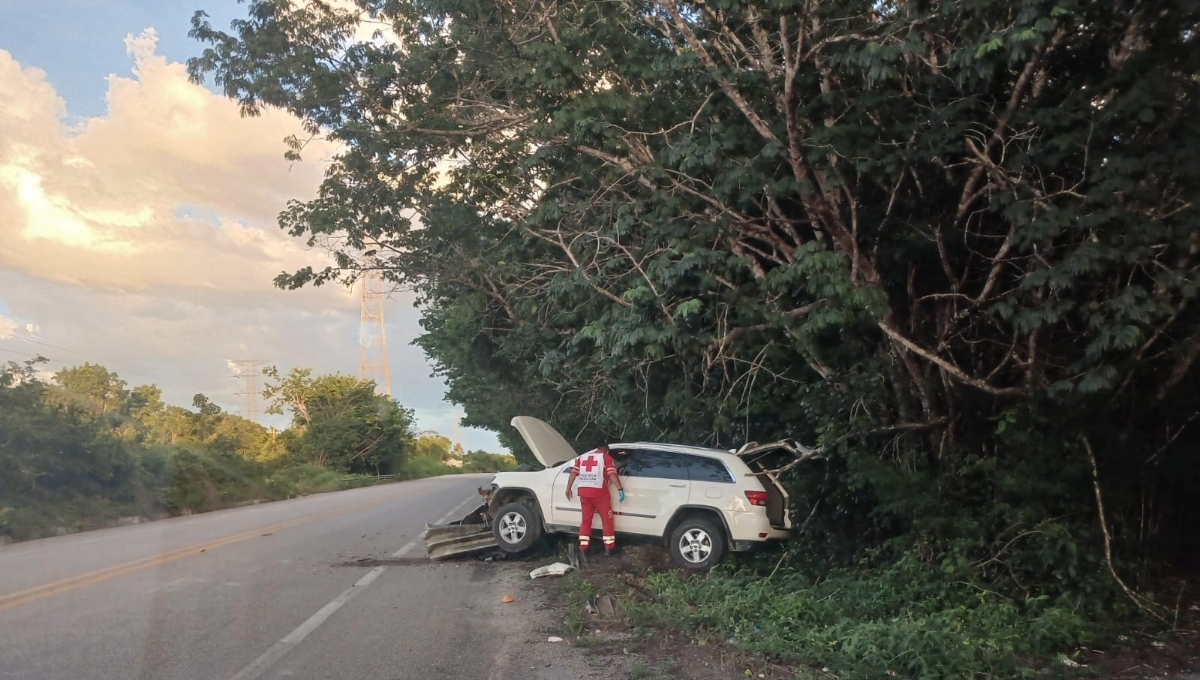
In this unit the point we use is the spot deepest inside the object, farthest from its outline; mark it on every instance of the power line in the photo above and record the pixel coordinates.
(24, 354)
(14, 336)
(140, 367)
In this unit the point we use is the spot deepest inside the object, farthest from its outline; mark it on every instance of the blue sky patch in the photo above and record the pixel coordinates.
(79, 43)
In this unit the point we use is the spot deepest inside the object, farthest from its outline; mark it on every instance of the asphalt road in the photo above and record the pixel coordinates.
(264, 592)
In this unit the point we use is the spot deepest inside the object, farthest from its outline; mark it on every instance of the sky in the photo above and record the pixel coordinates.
(137, 216)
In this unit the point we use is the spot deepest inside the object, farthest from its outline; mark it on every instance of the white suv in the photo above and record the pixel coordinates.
(699, 502)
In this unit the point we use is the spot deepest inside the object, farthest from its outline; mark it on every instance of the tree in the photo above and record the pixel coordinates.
(97, 389)
(204, 406)
(482, 461)
(961, 235)
(344, 423)
(50, 446)
(432, 445)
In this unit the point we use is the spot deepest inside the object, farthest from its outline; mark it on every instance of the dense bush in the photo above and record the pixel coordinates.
(85, 452)
(902, 619)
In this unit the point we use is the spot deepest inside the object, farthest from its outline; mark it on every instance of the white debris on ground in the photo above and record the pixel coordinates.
(556, 569)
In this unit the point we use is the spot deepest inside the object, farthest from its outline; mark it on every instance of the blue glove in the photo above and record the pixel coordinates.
(621, 495)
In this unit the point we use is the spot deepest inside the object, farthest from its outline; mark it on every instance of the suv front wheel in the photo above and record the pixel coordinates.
(516, 527)
(697, 543)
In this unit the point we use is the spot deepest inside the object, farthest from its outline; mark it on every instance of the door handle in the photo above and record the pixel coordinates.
(678, 486)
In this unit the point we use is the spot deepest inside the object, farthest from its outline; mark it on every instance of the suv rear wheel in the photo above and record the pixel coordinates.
(516, 527)
(697, 543)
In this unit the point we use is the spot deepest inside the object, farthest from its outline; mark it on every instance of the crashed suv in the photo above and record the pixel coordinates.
(699, 502)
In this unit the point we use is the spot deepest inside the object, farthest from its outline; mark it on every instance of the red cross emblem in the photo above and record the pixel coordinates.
(589, 463)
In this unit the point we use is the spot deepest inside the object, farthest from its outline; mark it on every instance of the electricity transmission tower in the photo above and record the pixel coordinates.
(247, 370)
(372, 338)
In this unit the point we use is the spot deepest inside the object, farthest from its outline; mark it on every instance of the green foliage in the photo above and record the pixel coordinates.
(345, 425)
(87, 452)
(303, 479)
(432, 445)
(952, 244)
(197, 479)
(900, 620)
(482, 461)
(423, 466)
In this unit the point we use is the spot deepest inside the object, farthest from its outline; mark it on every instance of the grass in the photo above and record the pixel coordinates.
(422, 467)
(189, 484)
(906, 619)
(902, 621)
(641, 670)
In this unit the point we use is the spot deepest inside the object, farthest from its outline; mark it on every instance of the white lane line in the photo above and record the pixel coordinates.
(279, 649)
(404, 550)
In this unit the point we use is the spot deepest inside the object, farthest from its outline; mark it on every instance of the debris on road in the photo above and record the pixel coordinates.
(554, 638)
(508, 598)
(556, 569)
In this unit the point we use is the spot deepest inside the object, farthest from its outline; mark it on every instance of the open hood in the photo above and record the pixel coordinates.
(550, 447)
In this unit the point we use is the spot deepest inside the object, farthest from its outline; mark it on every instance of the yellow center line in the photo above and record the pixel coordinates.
(20, 597)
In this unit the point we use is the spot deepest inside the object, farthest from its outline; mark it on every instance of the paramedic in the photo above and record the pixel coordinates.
(594, 470)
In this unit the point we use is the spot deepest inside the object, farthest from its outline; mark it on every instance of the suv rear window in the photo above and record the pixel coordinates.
(658, 464)
(703, 469)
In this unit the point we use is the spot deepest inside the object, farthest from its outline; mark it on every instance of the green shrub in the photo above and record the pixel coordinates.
(200, 480)
(908, 619)
(420, 467)
(481, 461)
(302, 479)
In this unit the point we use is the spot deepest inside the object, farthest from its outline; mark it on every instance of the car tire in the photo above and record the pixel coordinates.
(516, 527)
(697, 543)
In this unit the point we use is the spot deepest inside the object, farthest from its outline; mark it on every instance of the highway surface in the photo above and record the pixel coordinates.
(264, 591)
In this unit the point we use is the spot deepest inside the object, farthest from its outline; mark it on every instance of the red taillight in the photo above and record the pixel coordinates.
(757, 498)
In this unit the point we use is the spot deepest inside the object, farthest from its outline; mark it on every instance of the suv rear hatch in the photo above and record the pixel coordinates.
(765, 461)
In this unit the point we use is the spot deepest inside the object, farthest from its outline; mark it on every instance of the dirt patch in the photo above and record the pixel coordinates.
(1176, 656)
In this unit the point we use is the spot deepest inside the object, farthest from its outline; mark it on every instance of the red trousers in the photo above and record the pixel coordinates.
(592, 501)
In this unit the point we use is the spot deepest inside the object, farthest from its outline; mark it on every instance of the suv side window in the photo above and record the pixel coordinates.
(658, 464)
(703, 469)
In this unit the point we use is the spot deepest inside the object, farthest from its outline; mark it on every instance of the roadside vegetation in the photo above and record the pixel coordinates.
(82, 450)
(950, 245)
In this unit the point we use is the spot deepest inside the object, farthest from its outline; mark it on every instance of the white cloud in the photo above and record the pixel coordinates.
(145, 239)
(8, 328)
(139, 197)
(11, 329)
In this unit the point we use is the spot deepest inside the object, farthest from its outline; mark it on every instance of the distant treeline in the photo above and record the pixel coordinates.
(83, 450)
